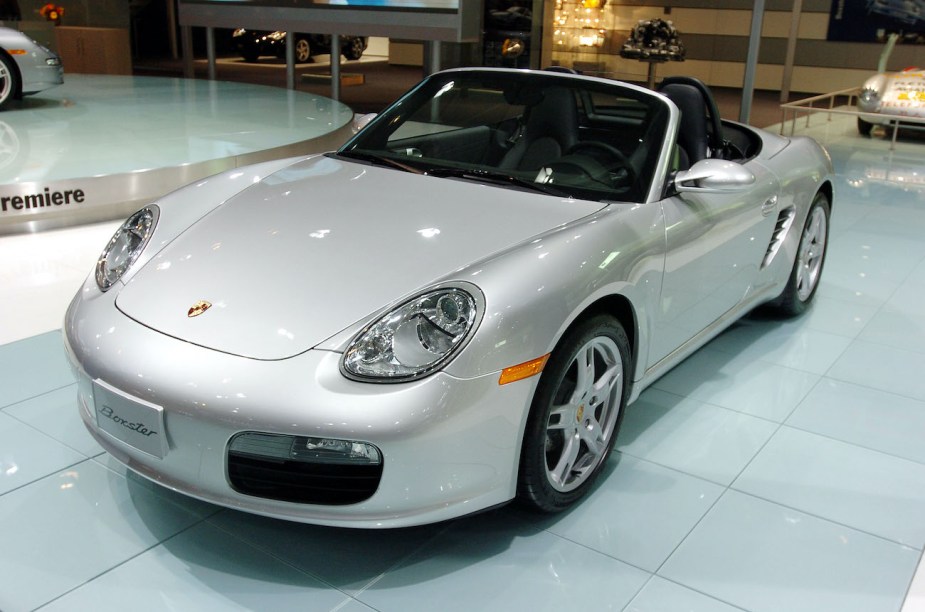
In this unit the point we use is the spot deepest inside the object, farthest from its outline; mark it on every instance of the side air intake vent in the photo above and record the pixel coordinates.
(784, 221)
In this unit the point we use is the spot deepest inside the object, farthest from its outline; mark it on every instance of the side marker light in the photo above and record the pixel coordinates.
(523, 370)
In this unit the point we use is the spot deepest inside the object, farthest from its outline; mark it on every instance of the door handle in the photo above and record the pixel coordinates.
(769, 206)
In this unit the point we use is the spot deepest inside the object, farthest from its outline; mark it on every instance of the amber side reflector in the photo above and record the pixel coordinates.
(523, 370)
(17, 51)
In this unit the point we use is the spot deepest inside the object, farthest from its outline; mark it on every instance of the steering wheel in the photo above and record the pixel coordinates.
(615, 161)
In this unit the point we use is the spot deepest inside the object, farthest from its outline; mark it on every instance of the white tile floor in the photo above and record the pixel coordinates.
(780, 468)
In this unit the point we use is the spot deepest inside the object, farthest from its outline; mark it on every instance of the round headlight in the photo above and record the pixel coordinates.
(125, 246)
(869, 99)
(413, 339)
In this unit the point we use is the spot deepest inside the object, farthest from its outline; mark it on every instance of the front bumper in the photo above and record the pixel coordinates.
(40, 76)
(449, 446)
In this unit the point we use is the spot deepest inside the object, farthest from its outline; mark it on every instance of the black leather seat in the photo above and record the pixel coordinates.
(693, 136)
(550, 129)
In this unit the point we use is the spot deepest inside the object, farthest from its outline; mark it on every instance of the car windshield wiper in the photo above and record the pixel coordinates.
(495, 177)
(381, 160)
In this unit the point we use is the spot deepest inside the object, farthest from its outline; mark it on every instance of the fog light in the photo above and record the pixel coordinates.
(308, 450)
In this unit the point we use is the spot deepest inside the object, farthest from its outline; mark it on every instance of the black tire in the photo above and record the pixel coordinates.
(9, 81)
(564, 417)
(303, 50)
(250, 55)
(353, 49)
(864, 127)
(807, 267)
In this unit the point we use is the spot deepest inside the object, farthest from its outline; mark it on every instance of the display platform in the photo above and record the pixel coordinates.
(98, 147)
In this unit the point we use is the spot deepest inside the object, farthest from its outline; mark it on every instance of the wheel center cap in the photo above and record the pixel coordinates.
(580, 413)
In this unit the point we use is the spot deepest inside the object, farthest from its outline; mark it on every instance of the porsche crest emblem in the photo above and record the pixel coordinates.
(198, 308)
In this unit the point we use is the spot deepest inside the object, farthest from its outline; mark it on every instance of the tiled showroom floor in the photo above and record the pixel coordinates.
(782, 467)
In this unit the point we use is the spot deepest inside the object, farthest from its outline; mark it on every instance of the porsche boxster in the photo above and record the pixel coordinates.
(26, 67)
(449, 312)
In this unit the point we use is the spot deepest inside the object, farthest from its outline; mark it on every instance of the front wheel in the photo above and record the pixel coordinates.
(807, 269)
(303, 50)
(575, 415)
(9, 81)
(864, 127)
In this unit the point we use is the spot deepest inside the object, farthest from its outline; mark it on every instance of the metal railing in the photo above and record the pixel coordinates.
(827, 103)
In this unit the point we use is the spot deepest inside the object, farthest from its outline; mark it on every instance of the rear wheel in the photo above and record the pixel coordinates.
(575, 415)
(9, 81)
(807, 269)
(354, 48)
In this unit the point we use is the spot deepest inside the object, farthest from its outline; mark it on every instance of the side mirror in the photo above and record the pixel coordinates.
(360, 121)
(714, 176)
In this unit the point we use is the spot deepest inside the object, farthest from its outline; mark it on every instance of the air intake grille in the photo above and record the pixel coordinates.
(303, 470)
(303, 483)
(784, 221)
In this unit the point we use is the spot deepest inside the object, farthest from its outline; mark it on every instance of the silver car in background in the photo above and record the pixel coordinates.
(26, 67)
(451, 311)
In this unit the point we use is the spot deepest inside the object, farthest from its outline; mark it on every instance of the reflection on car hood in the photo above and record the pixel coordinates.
(318, 246)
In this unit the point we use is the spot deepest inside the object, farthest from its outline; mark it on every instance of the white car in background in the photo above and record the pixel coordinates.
(26, 67)
(889, 96)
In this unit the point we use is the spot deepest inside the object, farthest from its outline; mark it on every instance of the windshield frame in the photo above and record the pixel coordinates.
(653, 132)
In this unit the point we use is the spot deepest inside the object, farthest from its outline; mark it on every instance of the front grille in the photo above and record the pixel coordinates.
(303, 470)
(303, 483)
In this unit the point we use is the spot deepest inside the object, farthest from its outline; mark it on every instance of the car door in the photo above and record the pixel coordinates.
(715, 243)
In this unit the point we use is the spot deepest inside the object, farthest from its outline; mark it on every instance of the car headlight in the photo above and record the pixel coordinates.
(125, 246)
(868, 98)
(413, 339)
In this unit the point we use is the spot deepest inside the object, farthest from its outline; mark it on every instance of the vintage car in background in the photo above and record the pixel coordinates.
(451, 311)
(26, 67)
(252, 44)
(889, 96)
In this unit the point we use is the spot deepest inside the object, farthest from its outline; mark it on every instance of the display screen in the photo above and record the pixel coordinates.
(441, 5)
(433, 20)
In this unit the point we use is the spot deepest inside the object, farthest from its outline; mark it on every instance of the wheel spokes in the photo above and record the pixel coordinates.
(560, 474)
(592, 435)
(584, 383)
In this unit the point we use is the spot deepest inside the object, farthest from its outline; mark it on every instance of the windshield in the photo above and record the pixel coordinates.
(553, 133)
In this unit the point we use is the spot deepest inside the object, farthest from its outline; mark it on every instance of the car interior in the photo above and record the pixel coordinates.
(565, 137)
(702, 133)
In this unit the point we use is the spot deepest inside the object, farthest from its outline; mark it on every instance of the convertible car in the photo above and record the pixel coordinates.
(451, 311)
(26, 67)
(887, 97)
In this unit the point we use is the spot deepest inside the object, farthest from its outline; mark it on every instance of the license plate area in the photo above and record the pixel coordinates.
(131, 420)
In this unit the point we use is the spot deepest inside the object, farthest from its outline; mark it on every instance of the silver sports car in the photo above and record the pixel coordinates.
(451, 311)
(26, 67)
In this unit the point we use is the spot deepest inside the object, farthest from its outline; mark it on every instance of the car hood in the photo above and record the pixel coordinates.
(320, 245)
